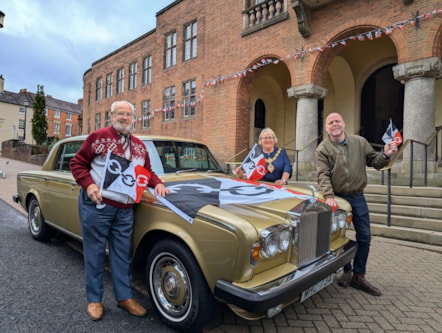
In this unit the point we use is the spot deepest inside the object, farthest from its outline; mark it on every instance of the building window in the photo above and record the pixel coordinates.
(190, 41)
(134, 123)
(21, 124)
(22, 110)
(109, 85)
(68, 116)
(56, 127)
(133, 76)
(107, 118)
(189, 91)
(57, 114)
(98, 92)
(68, 129)
(120, 81)
(170, 50)
(169, 103)
(147, 70)
(146, 114)
(97, 121)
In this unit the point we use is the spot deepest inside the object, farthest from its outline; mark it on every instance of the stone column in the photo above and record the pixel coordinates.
(419, 78)
(306, 124)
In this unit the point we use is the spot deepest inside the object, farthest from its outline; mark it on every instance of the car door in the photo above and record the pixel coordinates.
(61, 193)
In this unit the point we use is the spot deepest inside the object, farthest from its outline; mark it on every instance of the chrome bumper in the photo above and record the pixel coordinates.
(284, 289)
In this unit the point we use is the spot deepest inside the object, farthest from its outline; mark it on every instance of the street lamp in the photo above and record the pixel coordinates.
(2, 17)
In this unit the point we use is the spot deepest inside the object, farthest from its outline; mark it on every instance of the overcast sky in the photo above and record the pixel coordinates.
(54, 42)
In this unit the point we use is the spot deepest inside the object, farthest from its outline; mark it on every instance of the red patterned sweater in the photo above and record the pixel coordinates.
(88, 164)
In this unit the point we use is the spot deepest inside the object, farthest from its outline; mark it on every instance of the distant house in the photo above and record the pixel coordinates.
(16, 112)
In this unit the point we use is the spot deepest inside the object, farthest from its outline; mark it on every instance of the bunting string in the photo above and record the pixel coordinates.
(299, 54)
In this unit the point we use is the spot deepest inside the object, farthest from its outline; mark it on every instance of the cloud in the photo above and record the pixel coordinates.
(53, 42)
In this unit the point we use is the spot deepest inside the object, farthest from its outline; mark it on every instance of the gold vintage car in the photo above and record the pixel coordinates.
(255, 257)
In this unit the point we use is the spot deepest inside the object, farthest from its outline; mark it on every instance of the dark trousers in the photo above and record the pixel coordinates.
(361, 223)
(112, 226)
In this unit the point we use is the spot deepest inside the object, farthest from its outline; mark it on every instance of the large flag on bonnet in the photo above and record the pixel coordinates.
(124, 176)
(254, 164)
(187, 197)
(392, 134)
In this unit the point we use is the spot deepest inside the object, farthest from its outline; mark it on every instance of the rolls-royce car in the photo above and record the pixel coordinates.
(251, 245)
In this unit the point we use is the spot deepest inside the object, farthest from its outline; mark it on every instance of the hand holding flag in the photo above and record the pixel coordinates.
(392, 135)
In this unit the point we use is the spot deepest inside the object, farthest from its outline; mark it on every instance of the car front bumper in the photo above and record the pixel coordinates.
(287, 288)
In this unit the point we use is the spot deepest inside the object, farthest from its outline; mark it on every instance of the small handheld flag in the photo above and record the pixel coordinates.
(254, 164)
(125, 177)
(392, 134)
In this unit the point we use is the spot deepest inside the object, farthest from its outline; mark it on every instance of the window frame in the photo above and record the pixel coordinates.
(170, 47)
(169, 95)
(190, 42)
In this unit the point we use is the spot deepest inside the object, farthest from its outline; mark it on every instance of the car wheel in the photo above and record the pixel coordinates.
(39, 229)
(177, 288)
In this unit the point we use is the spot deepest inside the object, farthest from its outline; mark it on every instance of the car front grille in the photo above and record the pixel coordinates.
(313, 236)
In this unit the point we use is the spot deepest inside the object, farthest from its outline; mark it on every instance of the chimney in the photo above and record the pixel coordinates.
(2, 84)
(23, 91)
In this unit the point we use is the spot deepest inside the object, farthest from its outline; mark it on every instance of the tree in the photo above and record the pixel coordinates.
(39, 122)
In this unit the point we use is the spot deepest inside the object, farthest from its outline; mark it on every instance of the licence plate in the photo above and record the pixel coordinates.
(316, 287)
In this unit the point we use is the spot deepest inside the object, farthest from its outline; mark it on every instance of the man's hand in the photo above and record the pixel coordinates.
(332, 203)
(161, 190)
(390, 149)
(93, 192)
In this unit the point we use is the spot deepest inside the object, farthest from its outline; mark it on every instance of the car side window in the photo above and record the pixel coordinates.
(66, 152)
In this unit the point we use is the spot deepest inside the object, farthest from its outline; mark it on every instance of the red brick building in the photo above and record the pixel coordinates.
(221, 71)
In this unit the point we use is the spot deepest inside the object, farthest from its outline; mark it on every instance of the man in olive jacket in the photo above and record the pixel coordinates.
(341, 161)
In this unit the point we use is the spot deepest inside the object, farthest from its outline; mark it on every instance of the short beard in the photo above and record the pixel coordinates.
(124, 129)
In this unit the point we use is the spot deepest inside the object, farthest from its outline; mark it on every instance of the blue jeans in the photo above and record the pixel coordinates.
(100, 226)
(361, 223)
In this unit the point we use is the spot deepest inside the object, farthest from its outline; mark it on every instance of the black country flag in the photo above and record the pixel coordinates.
(392, 134)
(125, 177)
(254, 164)
(187, 197)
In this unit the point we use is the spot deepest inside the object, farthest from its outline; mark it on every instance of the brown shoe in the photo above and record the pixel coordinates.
(95, 311)
(359, 282)
(131, 306)
(344, 280)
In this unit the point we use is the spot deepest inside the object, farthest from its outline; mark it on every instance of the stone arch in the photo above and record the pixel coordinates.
(269, 84)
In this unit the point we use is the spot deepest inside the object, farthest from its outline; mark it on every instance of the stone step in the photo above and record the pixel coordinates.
(407, 221)
(411, 211)
(416, 213)
(408, 201)
(408, 234)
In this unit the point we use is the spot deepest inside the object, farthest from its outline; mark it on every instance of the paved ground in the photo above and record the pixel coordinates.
(409, 274)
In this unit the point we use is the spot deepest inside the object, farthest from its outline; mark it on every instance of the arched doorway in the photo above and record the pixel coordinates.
(382, 98)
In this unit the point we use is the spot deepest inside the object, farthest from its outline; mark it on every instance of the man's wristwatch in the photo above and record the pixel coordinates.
(385, 156)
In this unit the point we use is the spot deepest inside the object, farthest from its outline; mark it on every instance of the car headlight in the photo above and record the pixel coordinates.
(339, 220)
(275, 239)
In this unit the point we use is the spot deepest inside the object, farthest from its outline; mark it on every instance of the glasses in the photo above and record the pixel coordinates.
(123, 114)
(267, 138)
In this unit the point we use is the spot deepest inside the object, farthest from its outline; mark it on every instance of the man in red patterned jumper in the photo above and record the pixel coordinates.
(107, 216)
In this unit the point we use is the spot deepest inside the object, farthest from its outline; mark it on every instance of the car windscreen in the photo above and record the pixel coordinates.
(176, 156)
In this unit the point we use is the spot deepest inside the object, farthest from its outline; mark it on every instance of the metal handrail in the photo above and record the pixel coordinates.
(433, 139)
